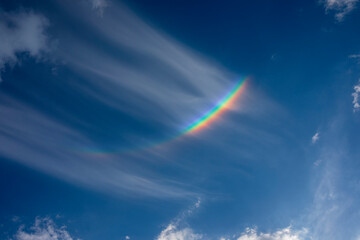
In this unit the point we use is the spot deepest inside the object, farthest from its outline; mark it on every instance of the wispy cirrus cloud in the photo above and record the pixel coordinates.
(340, 7)
(128, 68)
(21, 32)
(32, 138)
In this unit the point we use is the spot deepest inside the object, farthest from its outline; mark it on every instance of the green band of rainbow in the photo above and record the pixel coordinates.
(224, 104)
(215, 112)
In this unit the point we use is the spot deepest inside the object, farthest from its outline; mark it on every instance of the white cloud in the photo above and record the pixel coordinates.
(340, 7)
(355, 95)
(315, 138)
(282, 234)
(22, 32)
(43, 229)
(172, 233)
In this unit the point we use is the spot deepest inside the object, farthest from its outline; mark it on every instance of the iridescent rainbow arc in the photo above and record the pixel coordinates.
(215, 112)
(224, 104)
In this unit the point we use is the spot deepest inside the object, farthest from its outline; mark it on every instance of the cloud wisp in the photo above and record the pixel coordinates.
(21, 32)
(99, 5)
(340, 7)
(356, 99)
(315, 138)
(158, 72)
(34, 139)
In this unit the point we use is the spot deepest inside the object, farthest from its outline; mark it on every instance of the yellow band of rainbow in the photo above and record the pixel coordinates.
(224, 104)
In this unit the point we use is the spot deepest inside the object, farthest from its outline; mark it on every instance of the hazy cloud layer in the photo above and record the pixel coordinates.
(21, 32)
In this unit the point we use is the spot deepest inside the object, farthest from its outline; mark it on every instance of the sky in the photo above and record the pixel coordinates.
(179, 120)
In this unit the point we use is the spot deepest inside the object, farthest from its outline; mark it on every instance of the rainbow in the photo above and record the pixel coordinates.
(216, 111)
(205, 120)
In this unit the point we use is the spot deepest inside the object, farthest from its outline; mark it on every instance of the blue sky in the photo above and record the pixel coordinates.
(95, 97)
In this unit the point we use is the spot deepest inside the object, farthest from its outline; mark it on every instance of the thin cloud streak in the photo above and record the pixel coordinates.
(158, 71)
(33, 139)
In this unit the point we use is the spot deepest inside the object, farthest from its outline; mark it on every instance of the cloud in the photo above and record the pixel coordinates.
(160, 74)
(22, 32)
(32, 138)
(354, 56)
(335, 187)
(99, 5)
(43, 229)
(355, 95)
(130, 69)
(340, 7)
(315, 138)
(282, 234)
(172, 233)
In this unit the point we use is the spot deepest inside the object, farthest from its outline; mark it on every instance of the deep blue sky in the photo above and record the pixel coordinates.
(95, 96)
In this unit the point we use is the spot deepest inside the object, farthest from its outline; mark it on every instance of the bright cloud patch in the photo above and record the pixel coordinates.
(340, 7)
(43, 229)
(21, 33)
(172, 233)
(355, 95)
(315, 138)
(283, 234)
